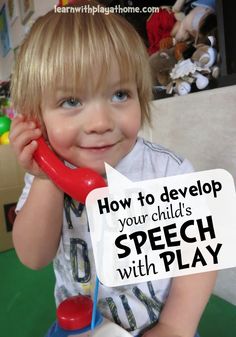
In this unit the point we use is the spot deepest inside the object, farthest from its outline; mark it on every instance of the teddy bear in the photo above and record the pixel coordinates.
(161, 63)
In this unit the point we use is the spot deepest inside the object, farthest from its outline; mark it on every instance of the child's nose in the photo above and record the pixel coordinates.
(100, 120)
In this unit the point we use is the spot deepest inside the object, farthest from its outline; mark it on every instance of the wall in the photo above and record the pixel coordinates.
(201, 127)
(17, 33)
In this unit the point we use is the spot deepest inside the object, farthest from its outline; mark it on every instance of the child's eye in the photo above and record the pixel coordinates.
(120, 96)
(71, 103)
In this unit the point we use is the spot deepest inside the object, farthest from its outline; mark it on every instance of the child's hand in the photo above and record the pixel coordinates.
(23, 135)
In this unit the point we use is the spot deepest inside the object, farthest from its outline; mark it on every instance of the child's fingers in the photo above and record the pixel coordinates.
(22, 133)
(18, 118)
(27, 161)
(23, 136)
(23, 139)
(18, 127)
(26, 135)
(26, 156)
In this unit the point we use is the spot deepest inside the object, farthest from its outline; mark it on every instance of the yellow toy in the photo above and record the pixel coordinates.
(4, 139)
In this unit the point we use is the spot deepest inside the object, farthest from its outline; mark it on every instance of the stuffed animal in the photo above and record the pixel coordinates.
(196, 70)
(162, 62)
(207, 58)
(179, 4)
(189, 27)
(179, 47)
(204, 56)
(158, 26)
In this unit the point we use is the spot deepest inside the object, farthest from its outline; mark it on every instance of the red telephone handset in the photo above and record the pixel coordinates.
(75, 182)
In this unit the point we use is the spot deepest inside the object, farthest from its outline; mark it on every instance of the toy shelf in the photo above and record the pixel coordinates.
(227, 43)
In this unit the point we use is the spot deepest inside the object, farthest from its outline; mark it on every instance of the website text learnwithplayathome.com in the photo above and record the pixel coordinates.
(105, 10)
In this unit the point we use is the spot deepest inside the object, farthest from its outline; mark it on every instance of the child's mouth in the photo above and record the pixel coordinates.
(102, 148)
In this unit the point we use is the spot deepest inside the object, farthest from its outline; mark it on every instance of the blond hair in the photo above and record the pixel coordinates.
(67, 48)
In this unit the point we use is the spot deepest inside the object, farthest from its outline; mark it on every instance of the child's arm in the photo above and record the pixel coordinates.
(37, 228)
(184, 306)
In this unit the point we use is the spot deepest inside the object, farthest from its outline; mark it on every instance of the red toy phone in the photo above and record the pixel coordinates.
(75, 182)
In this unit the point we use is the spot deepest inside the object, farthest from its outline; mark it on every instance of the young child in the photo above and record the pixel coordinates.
(83, 82)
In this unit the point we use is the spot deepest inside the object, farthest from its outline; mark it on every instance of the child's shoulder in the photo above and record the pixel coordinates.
(151, 160)
(160, 151)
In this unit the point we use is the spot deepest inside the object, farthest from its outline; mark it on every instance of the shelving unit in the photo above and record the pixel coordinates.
(227, 42)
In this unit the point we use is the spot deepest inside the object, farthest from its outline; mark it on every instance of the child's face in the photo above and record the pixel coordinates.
(94, 127)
